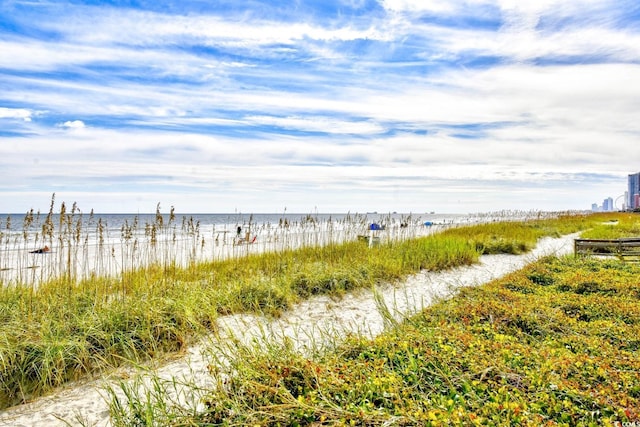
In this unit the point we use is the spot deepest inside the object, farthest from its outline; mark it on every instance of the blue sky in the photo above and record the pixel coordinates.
(328, 106)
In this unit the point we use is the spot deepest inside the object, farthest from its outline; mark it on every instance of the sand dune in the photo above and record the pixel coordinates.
(86, 404)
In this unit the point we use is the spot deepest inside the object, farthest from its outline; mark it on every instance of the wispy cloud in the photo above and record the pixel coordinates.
(341, 105)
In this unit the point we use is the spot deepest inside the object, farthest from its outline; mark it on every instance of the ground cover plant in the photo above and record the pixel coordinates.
(556, 343)
(65, 329)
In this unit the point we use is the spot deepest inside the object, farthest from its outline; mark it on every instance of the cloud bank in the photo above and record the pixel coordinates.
(389, 105)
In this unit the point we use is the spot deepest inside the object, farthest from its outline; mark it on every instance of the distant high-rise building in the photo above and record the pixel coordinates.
(634, 191)
(607, 205)
(625, 205)
(595, 207)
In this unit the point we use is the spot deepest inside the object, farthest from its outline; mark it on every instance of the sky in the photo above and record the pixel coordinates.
(318, 106)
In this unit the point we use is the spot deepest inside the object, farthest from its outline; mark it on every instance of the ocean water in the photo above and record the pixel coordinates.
(81, 245)
(114, 222)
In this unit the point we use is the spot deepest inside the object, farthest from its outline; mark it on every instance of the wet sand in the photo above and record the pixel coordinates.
(307, 325)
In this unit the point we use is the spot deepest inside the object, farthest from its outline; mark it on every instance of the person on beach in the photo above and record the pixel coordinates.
(41, 250)
(239, 238)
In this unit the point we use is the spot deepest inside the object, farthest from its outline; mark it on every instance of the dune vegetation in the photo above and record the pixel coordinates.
(556, 343)
(618, 226)
(66, 329)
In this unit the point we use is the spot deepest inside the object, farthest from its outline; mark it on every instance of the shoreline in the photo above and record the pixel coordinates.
(82, 254)
(84, 246)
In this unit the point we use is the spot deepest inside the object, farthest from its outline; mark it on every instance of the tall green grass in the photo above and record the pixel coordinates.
(70, 328)
(63, 331)
(621, 225)
(517, 237)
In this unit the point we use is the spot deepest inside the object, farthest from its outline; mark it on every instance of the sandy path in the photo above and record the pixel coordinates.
(306, 324)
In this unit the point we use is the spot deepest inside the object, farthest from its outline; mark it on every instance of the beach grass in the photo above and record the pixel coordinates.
(517, 237)
(67, 328)
(62, 331)
(555, 343)
(620, 226)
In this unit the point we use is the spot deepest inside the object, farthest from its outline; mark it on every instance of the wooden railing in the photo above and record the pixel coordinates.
(624, 248)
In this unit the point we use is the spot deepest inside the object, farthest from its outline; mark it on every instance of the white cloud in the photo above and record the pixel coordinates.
(15, 113)
(75, 124)
(246, 99)
(319, 124)
(106, 26)
(438, 6)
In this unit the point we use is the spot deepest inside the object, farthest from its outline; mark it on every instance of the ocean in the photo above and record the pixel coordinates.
(35, 248)
(15, 222)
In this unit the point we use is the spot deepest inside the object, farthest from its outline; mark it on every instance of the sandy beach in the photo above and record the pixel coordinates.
(85, 403)
(25, 261)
